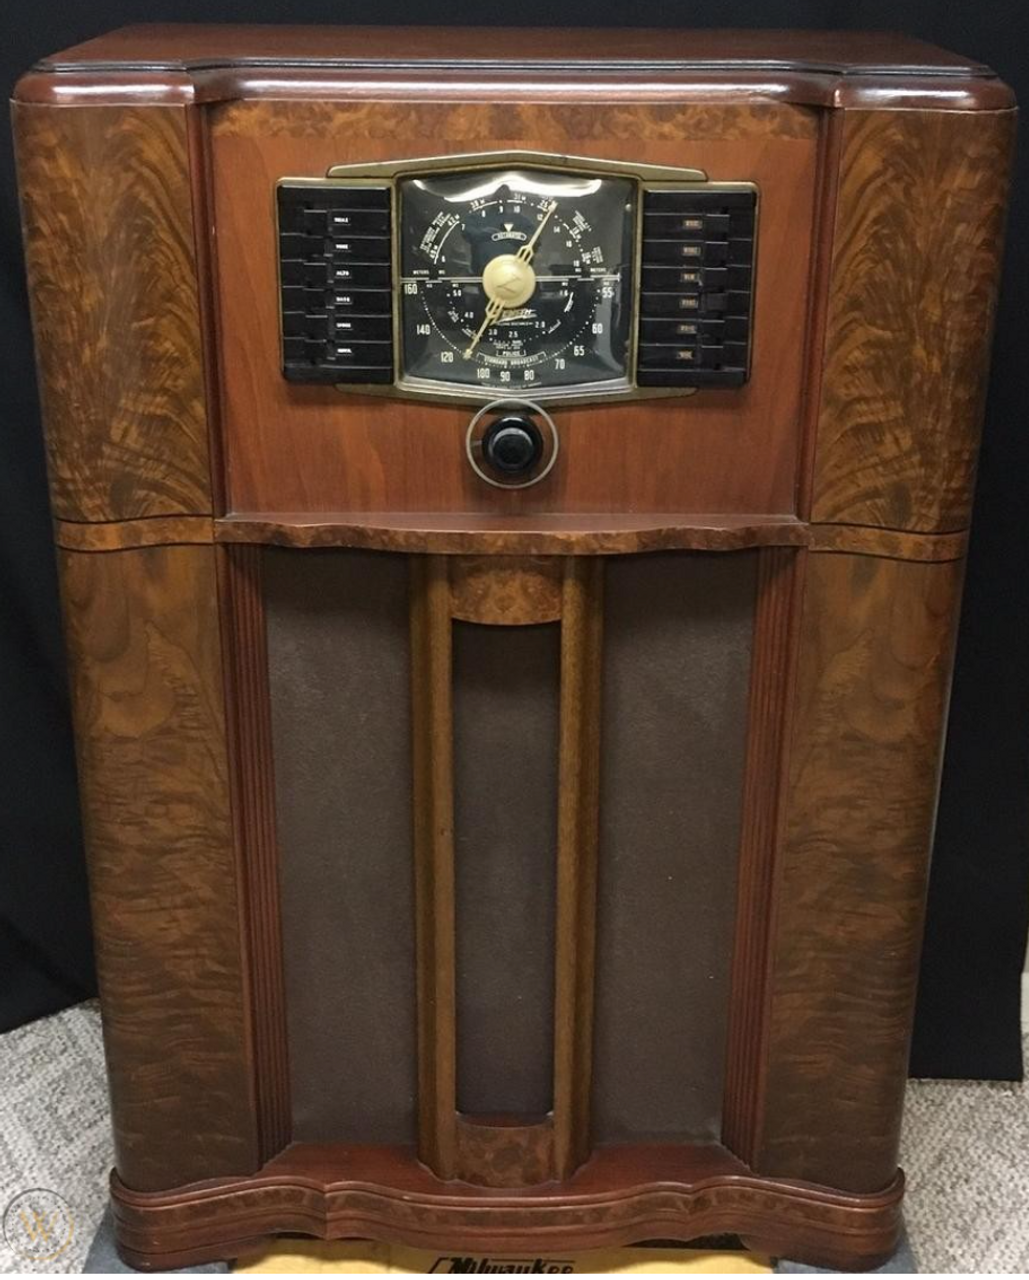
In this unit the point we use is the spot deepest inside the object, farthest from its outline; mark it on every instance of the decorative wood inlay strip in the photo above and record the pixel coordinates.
(891, 544)
(475, 533)
(120, 535)
(623, 1195)
(508, 599)
(506, 590)
(501, 1151)
(205, 251)
(579, 775)
(433, 747)
(770, 685)
(253, 789)
(584, 535)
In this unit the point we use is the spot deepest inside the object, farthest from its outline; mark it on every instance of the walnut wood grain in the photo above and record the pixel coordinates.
(108, 229)
(511, 591)
(729, 124)
(504, 1151)
(300, 448)
(773, 659)
(146, 682)
(623, 1195)
(432, 728)
(487, 533)
(919, 231)
(874, 659)
(577, 818)
(252, 774)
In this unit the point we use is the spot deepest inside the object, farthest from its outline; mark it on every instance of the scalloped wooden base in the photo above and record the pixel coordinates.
(622, 1195)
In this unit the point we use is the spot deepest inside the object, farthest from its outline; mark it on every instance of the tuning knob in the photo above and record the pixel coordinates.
(512, 445)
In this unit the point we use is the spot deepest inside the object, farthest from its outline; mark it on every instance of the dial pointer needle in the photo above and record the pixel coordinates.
(527, 250)
(496, 306)
(492, 313)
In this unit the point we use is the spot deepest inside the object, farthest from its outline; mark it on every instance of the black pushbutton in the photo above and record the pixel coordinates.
(512, 445)
(697, 286)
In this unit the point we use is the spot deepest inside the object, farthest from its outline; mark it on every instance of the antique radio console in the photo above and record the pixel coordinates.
(512, 492)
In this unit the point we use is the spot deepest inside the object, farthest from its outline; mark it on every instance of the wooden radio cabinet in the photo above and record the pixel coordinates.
(511, 490)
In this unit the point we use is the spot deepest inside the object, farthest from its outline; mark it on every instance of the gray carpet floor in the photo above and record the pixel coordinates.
(965, 1150)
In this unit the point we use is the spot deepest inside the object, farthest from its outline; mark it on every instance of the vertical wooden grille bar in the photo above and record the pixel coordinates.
(771, 678)
(579, 774)
(447, 1143)
(432, 728)
(250, 751)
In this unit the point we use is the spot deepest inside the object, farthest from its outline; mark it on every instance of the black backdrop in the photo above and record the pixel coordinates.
(968, 1012)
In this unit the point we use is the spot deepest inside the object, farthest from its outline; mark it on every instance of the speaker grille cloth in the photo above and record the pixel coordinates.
(676, 665)
(338, 656)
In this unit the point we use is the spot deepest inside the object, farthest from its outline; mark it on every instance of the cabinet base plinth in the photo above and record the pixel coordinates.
(621, 1196)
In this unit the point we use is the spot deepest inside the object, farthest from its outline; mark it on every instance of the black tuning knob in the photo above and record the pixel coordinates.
(512, 445)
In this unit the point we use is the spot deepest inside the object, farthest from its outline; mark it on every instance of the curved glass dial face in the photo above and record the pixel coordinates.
(516, 280)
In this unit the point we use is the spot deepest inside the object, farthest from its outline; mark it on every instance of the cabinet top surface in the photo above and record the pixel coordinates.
(189, 47)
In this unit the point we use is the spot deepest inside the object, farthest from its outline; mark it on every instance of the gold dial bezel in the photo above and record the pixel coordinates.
(646, 177)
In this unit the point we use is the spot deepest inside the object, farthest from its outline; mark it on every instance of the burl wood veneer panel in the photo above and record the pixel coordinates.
(339, 667)
(145, 655)
(313, 449)
(876, 640)
(677, 651)
(109, 248)
(506, 691)
(919, 229)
